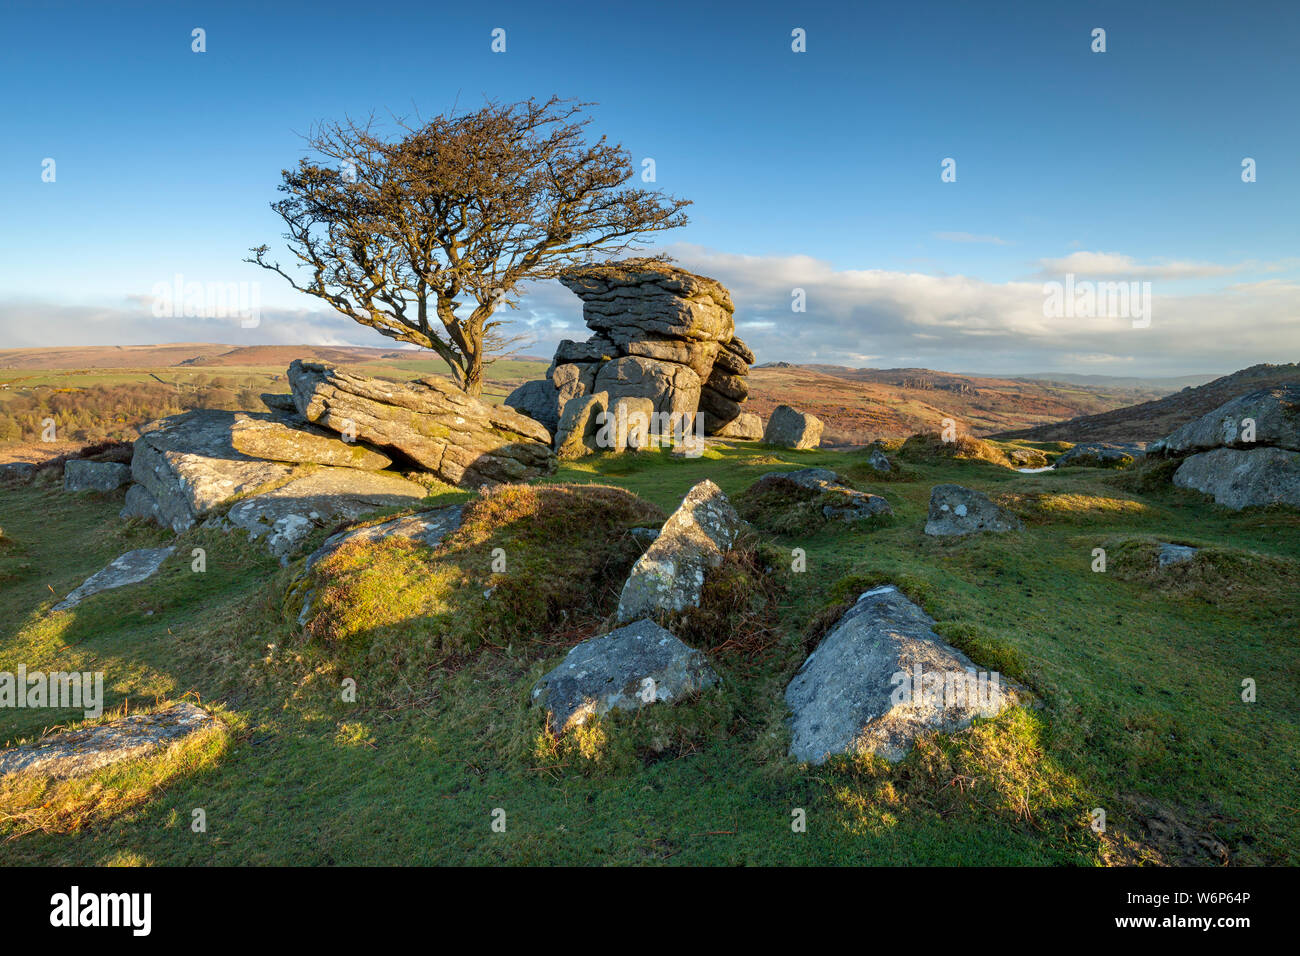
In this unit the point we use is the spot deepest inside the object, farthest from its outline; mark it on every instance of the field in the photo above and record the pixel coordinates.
(1138, 676)
(94, 394)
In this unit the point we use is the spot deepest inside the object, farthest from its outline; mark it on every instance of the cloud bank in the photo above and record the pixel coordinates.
(866, 317)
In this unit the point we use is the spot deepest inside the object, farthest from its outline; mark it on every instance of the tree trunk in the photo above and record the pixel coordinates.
(473, 374)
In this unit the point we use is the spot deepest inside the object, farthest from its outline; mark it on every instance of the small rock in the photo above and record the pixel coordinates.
(131, 568)
(1175, 554)
(881, 678)
(82, 475)
(744, 427)
(669, 576)
(580, 424)
(955, 510)
(626, 669)
(793, 429)
(877, 461)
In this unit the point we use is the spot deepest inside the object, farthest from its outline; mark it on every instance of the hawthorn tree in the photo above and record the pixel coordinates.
(424, 235)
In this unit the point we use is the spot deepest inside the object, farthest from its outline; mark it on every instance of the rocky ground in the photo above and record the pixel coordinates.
(643, 656)
(416, 604)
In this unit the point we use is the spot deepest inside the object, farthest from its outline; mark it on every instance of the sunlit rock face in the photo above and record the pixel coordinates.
(660, 333)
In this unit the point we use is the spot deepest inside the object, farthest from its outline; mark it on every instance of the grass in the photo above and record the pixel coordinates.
(1138, 673)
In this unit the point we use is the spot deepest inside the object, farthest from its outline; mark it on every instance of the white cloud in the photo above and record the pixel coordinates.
(1114, 265)
(860, 317)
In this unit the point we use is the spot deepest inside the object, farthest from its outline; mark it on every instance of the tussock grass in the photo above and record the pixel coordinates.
(1223, 577)
(31, 803)
(929, 447)
(1048, 507)
(1139, 685)
(529, 565)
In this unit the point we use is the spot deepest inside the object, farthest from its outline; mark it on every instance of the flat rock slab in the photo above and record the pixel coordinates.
(131, 568)
(881, 678)
(426, 527)
(185, 466)
(633, 667)
(955, 510)
(80, 475)
(287, 514)
(77, 752)
(461, 439)
(1240, 478)
(276, 441)
(669, 576)
(1275, 412)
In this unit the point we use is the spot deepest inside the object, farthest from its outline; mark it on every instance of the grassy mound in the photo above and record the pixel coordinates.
(1228, 578)
(780, 506)
(1046, 507)
(929, 447)
(1149, 476)
(529, 565)
(737, 625)
(1092, 460)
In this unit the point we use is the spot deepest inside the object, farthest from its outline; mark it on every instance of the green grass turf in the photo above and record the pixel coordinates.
(1138, 675)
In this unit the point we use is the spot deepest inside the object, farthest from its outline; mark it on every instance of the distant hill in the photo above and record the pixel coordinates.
(1165, 384)
(190, 354)
(860, 405)
(1151, 420)
(856, 405)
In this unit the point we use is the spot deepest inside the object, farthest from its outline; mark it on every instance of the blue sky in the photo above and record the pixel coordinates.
(818, 170)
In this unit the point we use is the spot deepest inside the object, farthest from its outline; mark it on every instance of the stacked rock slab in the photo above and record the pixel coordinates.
(187, 469)
(186, 465)
(463, 440)
(1245, 453)
(660, 333)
